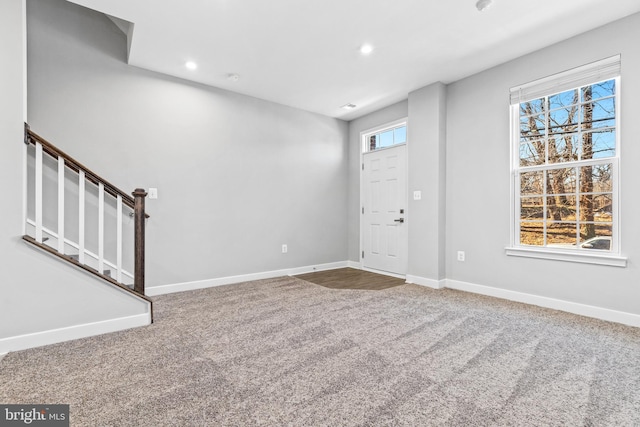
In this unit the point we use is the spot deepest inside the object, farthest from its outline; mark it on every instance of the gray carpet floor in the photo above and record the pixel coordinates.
(285, 352)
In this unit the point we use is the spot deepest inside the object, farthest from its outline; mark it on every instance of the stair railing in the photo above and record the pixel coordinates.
(50, 175)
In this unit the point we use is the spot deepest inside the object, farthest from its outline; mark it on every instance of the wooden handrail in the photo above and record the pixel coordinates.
(136, 203)
(31, 137)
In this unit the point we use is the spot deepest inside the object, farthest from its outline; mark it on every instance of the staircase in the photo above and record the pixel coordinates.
(75, 215)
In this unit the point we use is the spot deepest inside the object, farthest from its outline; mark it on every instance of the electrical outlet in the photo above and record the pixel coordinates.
(417, 195)
(153, 193)
(284, 249)
(460, 255)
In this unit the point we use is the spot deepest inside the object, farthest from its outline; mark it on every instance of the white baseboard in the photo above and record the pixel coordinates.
(220, 281)
(423, 281)
(22, 342)
(321, 267)
(354, 264)
(556, 304)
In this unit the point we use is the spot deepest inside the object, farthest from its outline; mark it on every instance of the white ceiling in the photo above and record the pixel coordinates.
(305, 53)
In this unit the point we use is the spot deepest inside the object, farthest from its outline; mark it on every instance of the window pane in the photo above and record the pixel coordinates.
(531, 208)
(533, 107)
(586, 210)
(564, 120)
(373, 142)
(596, 236)
(531, 233)
(563, 99)
(596, 178)
(598, 144)
(386, 139)
(562, 130)
(595, 208)
(599, 114)
(531, 152)
(599, 90)
(564, 148)
(602, 177)
(563, 233)
(602, 208)
(400, 135)
(531, 183)
(532, 125)
(561, 181)
(561, 208)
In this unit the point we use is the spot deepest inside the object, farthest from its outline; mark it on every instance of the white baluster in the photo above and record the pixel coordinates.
(101, 228)
(25, 188)
(119, 239)
(38, 195)
(81, 195)
(61, 181)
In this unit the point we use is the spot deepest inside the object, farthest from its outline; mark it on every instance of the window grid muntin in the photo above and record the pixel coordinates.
(613, 160)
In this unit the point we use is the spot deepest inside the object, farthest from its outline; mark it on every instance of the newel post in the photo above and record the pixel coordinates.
(138, 281)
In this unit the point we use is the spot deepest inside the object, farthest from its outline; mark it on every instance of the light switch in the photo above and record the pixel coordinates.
(417, 195)
(153, 193)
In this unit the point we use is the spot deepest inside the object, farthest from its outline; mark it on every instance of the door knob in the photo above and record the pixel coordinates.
(400, 220)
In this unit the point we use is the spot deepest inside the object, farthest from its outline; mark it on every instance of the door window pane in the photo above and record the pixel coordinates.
(387, 138)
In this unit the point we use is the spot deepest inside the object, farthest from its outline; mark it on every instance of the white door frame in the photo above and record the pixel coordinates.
(363, 150)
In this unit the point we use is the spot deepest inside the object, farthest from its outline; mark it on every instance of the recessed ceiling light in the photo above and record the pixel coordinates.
(483, 5)
(349, 106)
(366, 49)
(191, 65)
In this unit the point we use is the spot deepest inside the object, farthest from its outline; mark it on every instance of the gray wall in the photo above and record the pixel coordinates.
(425, 109)
(37, 293)
(427, 148)
(237, 176)
(459, 158)
(478, 194)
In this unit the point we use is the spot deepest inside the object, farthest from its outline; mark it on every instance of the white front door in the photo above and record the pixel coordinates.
(384, 201)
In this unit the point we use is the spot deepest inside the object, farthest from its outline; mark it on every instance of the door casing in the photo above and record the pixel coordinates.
(401, 271)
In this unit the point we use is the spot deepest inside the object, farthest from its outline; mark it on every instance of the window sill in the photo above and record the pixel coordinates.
(570, 256)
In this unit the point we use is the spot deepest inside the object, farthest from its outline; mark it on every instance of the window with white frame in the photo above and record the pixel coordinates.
(565, 161)
(386, 137)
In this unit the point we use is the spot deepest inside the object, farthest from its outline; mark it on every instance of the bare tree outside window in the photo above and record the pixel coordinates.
(567, 141)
